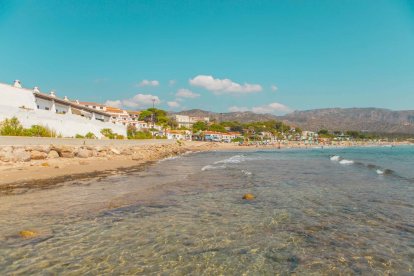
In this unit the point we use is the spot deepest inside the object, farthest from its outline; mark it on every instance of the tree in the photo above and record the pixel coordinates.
(218, 128)
(199, 126)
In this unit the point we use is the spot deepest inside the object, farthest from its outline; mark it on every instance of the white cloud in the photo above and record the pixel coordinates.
(171, 82)
(238, 109)
(116, 103)
(186, 93)
(138, 101)
(173, 104)
(221, 86)
(273, 87)
(272, 108)
(149, 83)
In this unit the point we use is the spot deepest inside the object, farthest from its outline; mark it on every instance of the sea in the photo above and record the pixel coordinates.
(320, 211)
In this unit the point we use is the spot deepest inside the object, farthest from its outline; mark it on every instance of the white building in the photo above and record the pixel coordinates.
(178, 135)
(65, 117)
(188, 121)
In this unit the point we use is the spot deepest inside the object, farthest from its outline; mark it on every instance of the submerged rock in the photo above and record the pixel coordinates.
(28, 234)
(249, 197)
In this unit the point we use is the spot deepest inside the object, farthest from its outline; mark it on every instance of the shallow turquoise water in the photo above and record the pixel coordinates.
(186, 216)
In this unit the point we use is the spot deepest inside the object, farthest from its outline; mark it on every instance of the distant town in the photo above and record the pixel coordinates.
(30, 112)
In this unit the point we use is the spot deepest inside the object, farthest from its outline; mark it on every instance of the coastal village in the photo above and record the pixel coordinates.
(64, 117)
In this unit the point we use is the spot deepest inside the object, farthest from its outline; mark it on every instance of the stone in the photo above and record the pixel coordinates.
(115, 151)
(21, 155)
(28, 234)
(45, 164)
(38, 155)
(6, 154)
(41, 148)
(84, 153)
(65, 151)
(53, 154)
(249, 197)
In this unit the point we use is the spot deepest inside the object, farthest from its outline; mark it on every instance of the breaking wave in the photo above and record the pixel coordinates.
(232, 160)
(211, 167)
(346, 162)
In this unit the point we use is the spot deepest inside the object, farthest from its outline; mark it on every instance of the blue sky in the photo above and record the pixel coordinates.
(265, 56)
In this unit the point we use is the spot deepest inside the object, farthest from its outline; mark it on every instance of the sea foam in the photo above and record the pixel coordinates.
(232, 160)
(335, 158)
(211, 167)
(346, 162)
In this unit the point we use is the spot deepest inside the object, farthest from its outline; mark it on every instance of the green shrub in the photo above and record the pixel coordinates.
(40, 131)
(11, 127)
(79, 136)
(107, 132)
(90, 135)
(142, 135)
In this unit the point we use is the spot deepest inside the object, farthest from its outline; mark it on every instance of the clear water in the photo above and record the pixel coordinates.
(311, 215)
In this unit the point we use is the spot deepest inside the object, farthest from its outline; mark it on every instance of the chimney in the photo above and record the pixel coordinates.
(53, 94)
(77, 101)
(17, 84)
(36, 89)
(66, 98)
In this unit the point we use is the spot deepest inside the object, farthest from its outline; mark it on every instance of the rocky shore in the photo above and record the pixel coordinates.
(35, 165)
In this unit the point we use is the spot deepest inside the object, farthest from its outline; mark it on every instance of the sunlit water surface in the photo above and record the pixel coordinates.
(186, 216)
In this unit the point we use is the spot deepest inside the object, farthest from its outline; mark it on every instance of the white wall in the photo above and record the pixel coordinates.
(68, 125)
(16, 97)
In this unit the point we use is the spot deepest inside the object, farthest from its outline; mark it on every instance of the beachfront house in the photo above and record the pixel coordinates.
(65, 117)
(213, 136)
(178, 135)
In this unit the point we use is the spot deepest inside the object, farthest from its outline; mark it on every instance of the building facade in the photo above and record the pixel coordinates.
(65, 117)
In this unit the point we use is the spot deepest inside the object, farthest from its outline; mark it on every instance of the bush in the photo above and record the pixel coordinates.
(107, 132)
(79, 136)
(90, 135)
(40, 131)
(141, 135)
(11, 127)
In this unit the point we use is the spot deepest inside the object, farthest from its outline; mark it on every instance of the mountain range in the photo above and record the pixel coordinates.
(374, 120)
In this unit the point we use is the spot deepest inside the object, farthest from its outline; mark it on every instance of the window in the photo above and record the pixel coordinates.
(94, 106)
(46, 108)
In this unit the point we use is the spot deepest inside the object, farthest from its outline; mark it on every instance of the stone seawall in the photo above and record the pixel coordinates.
(15, 154)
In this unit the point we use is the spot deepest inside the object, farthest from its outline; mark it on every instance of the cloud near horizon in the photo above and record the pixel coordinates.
(224, 86)
(148, 83)
(272, 108)
(186, 93)
(274, 87)
(138, 101)
(173, 104)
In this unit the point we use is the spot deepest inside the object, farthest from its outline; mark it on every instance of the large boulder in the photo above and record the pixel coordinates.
(6, 154)
(21, 155)
(53, 154)
(84, 153)
(65, 151)
(38, 155)
(40, 148)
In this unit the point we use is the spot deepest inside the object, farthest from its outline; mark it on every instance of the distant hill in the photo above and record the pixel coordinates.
(362, 119)
(243, 117)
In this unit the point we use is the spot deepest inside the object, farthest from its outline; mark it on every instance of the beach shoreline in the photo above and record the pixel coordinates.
(45, 173)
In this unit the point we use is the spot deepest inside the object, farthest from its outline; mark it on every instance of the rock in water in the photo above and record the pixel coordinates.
(248, 197)
(28, 234)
